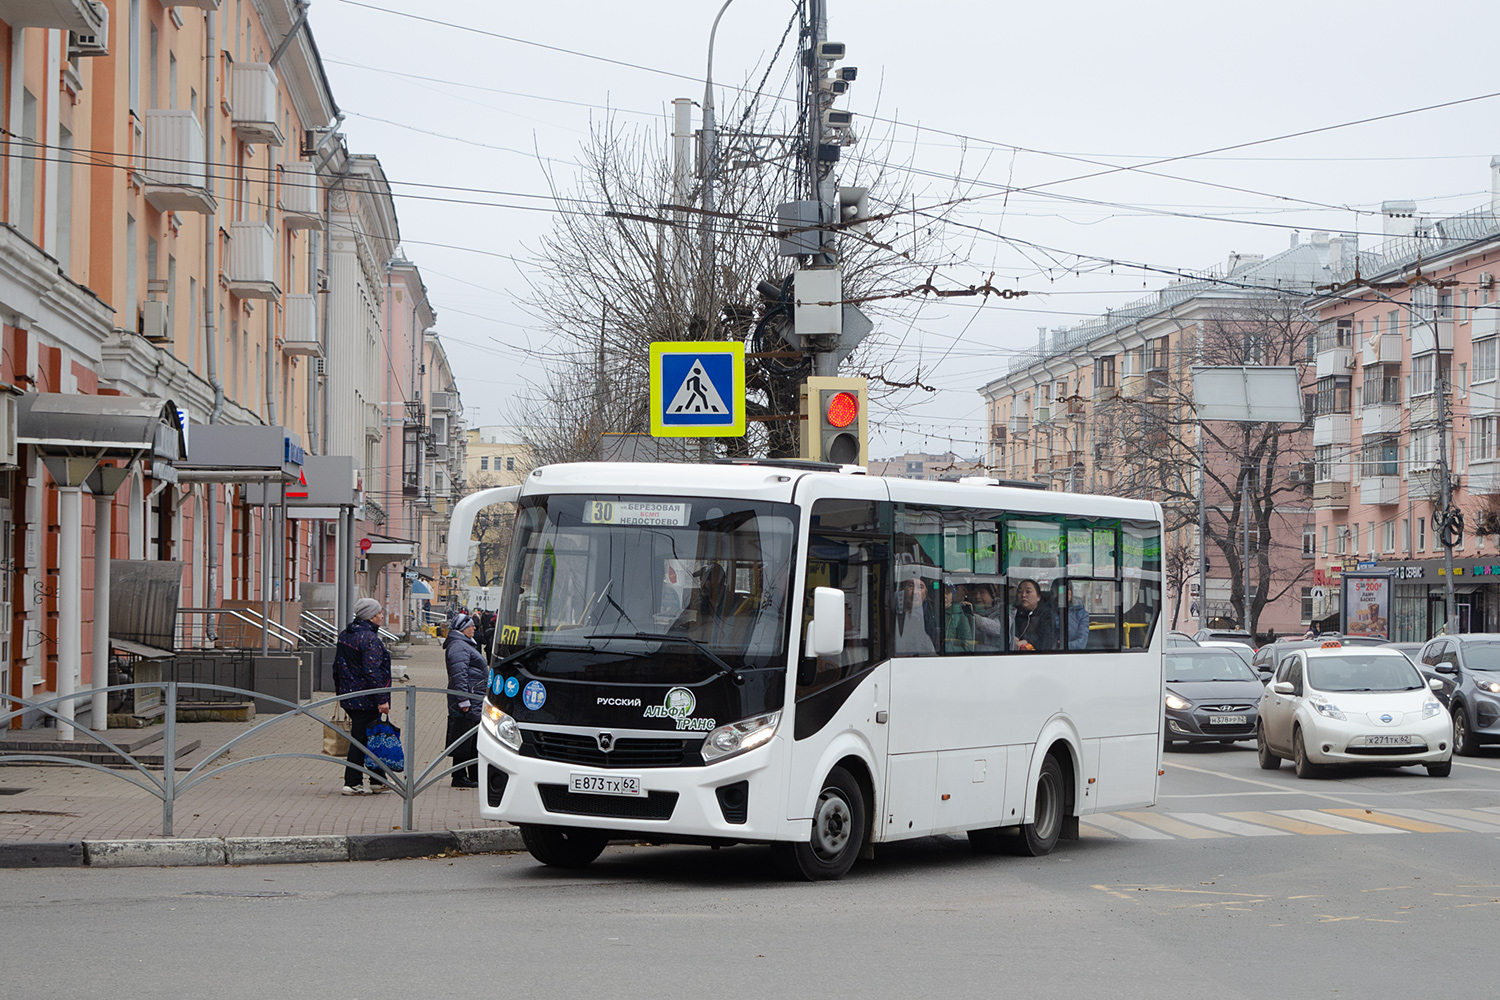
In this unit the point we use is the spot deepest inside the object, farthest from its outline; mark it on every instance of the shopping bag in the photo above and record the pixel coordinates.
(384, 743)
(336, 736)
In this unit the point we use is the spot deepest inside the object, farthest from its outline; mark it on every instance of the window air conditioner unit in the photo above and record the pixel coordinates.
(156, 325)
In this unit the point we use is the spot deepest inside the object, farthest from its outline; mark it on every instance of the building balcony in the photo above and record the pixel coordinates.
(1485, 323)
(1382, 418)
(1432, 335)
(254, 103)
(299, 197)
(209, 5)
(1378, 491)
(1074, 409)
(1425, 484)
(252, 261)
(301, 335)
(1335, 361)
(1103, 392)
(82, 17)
(1484, 478)
(1382, 350)
(1020, 425)
(1132, 386)
(1330, 496)
(1041, 415)
(1333, 428)
(1423, 409)
(997, 433)
(174, 169)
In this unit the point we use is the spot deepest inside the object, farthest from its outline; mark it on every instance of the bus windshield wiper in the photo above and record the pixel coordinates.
(714, 658)
(514, 657)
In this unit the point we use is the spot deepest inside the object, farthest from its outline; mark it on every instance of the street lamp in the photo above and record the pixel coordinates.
(710, 154)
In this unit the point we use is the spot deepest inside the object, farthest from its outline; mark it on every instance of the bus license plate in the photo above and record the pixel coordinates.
(606, 784)
(1227, 720)
(1388, 741)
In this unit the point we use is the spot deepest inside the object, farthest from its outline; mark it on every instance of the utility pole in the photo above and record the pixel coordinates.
(1445, 517)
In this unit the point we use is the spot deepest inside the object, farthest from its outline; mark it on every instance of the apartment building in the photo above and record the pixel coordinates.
(923, 465)
(1406, 356)
(193, 279)
(1106, 406)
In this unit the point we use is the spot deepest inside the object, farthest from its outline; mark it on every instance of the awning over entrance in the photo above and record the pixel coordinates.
(221, 453)
(421, 590)
(94, 428)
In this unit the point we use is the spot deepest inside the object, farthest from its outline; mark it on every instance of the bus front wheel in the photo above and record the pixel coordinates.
(1040, 836)
(563, 846)
(838, 833)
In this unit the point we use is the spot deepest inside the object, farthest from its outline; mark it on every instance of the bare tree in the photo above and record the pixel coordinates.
(1157, 432)
(623, 267)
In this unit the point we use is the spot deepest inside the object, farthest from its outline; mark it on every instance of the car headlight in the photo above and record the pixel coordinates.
(1491, 687)
(502, 726)
(1431, 708)
(737, 737)
(1328, 709)
(1178, 704)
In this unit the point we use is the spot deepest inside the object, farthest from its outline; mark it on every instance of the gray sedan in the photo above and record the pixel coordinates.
(1211, 696)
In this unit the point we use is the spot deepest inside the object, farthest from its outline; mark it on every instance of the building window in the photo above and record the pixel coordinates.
(1158, 354)
(1307, 605)
(1406, 535)
(1388, 537)
(1340, 540)
(1370, 538)
(1421, 534)
(1484, 359)
(1381, 455)
(1482, 430)
(1334, 333)
(1354, 539)
(1382, 385)
(1309, 541)
(1325, 539)
(1323, 463)
(484, 463)
(1333, 394)
(510, 465)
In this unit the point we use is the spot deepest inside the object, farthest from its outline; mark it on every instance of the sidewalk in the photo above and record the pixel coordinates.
(289, 797)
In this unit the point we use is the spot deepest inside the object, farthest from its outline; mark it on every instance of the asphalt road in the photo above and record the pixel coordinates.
(1261, 906)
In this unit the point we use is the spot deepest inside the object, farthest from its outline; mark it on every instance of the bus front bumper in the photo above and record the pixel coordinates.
(729, 800)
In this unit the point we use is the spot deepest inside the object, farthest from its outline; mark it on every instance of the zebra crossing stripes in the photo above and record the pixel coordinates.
(1148, 825)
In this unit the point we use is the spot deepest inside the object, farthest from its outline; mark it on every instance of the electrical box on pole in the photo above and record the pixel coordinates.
(836, 425)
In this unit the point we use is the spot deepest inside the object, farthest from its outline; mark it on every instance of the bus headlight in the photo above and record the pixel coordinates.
(737, 737)
(502, 726)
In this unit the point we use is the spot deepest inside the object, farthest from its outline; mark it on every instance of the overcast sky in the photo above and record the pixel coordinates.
(1018, 96)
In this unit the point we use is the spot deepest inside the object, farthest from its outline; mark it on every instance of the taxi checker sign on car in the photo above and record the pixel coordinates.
(698, 389)
(679, 704)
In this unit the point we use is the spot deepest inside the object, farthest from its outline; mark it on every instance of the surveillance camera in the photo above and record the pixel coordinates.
(835, 87)
(830, 51)
(838, 119)
(846, 73)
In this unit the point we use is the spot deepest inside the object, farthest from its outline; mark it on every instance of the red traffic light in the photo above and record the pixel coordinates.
(843, 409)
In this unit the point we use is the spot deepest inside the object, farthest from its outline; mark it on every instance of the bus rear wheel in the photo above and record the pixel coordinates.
(1039, 836)
(838, 833)
(563, 846)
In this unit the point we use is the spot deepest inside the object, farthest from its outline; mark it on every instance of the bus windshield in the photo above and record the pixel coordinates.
(648, 589)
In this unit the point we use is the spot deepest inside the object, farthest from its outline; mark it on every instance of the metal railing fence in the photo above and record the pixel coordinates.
(169, 785)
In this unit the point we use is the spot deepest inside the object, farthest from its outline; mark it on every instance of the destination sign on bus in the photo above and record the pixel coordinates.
(635, 512)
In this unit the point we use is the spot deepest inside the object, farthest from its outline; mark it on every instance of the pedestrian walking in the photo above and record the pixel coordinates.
(467, 672)
(362, 662)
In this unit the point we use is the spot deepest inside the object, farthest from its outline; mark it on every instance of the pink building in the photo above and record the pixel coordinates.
(1406, 357)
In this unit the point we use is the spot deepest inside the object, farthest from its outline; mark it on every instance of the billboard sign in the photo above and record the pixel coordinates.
(1365, 604)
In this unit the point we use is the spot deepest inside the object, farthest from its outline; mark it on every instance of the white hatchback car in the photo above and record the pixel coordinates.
(1347, 705)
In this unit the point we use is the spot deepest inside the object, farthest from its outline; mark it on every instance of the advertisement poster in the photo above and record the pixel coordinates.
(1367, 605)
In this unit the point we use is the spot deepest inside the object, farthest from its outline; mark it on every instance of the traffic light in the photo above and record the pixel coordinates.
(836, 428)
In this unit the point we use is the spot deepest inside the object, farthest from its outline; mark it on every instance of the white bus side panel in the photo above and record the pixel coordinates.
(851, 732)
(1127, 772)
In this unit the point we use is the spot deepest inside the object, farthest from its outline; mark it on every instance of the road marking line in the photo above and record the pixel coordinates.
(1482, 767)
(1301, 788)
(1391, 819)
(1464, 819)
(1125, 828)
(1216, 822)
(1330, 817)
(1171, 824)
(1085, 827)
(1283, 823)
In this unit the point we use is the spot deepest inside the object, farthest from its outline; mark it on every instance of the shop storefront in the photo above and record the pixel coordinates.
(1419, 609)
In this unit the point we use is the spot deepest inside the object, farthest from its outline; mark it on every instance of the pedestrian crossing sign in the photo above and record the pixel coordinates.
(698, 389)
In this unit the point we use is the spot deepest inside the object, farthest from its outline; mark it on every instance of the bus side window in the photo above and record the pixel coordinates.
(1140, 566)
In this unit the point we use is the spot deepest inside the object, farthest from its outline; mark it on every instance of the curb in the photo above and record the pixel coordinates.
(201, 851)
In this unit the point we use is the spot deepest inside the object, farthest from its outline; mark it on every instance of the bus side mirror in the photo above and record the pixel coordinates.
(825, 633)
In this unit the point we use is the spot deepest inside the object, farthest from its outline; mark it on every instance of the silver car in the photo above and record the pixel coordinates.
(1352, 706)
